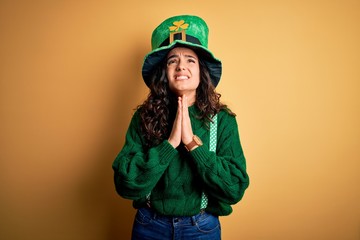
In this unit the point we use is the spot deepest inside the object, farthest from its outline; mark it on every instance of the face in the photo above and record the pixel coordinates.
(183, 72)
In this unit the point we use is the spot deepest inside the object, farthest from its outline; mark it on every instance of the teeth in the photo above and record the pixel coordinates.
(181, 77)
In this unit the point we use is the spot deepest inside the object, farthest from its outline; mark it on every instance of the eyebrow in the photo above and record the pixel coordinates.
(176, 55)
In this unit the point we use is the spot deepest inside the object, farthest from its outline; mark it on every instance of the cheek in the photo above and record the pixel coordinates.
(169, 73)
(197, 74)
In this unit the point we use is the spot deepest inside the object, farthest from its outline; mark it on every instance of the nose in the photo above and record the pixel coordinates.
(180, 65)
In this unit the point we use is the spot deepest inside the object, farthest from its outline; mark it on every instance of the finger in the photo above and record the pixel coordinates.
(175, 135)
(185, 107)
(184, 100)
(186, 130)
(179, 109)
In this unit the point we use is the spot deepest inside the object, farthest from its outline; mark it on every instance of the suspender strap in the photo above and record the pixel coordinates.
(213, 134)
(212, 148)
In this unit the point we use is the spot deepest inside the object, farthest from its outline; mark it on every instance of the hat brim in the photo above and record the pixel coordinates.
(154, 58)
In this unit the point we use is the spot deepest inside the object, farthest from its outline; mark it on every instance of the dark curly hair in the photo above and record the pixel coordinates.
(159, 109)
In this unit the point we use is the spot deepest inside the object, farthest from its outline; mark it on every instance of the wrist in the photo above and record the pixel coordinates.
(172, 143)
(194, 143)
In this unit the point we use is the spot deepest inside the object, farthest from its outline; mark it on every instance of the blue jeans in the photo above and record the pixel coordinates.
(150, 226)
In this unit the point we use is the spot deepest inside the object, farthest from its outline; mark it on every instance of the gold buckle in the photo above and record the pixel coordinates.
(183, 36)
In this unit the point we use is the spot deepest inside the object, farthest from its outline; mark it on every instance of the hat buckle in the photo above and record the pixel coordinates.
(179, 35)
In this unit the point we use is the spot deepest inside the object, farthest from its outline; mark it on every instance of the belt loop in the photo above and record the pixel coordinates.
(193, 220)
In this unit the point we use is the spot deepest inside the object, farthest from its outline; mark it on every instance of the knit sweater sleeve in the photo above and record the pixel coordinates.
(137, 171)
(223, 172)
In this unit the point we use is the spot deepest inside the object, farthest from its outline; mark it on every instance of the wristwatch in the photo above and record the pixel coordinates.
(195, 142)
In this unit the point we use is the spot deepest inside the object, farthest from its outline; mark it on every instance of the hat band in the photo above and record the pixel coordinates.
(179, 36)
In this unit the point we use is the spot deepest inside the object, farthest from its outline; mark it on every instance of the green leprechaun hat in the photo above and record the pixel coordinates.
(184, 30)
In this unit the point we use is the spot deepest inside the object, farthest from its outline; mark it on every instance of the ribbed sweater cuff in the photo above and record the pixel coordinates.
(166, 152)
(202, 156)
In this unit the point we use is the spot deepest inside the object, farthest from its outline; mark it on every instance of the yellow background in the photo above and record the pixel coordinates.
(70, 79)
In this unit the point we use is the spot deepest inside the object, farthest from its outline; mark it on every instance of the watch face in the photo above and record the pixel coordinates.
(197, 140)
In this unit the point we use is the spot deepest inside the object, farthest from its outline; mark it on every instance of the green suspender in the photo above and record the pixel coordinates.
(212, 148)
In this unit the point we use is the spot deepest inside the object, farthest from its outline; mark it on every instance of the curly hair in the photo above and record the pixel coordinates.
(158, 111)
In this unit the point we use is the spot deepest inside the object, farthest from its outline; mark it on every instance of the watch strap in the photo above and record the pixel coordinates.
(191, 145)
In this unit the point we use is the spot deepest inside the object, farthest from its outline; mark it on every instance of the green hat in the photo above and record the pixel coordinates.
(184, 30)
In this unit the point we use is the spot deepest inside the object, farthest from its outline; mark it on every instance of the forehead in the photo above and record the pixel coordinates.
(182, 51)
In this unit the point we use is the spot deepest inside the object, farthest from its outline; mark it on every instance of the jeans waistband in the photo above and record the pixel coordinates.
(173, 219)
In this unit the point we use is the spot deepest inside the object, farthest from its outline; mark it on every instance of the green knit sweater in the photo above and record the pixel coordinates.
(176, 178)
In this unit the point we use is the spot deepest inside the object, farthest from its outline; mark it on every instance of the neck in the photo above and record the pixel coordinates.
(191, 101)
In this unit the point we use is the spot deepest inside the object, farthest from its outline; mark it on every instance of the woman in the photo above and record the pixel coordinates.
(182, 163)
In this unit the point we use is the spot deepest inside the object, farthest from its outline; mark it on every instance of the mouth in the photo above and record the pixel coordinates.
(181, 77)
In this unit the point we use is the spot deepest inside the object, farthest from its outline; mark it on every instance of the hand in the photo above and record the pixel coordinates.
(175, 135)
(186, 130)
(181, 130)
